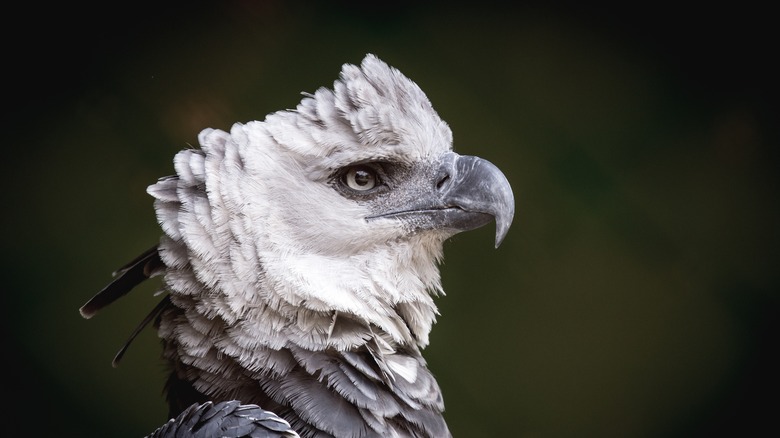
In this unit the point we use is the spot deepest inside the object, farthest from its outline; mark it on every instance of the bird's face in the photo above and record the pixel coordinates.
(360, 202)
(371, 163)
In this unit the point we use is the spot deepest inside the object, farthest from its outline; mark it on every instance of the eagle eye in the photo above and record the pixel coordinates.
(360, 178)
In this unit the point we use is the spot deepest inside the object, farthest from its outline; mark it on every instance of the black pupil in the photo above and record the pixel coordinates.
(362, 177)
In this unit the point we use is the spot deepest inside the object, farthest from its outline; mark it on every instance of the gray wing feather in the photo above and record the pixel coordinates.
(228, 419)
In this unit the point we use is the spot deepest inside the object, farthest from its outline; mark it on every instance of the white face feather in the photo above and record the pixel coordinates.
(258, 239)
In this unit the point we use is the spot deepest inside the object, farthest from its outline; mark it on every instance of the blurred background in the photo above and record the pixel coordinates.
(635, 296)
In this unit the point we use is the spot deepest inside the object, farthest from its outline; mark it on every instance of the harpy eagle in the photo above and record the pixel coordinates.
(299, 259)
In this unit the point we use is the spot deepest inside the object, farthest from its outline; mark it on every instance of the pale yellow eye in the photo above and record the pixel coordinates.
(360, 178)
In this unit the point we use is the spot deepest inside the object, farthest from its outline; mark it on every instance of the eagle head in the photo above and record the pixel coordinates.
(332, 214)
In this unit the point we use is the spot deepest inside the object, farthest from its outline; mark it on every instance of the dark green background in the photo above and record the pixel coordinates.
(636, 294)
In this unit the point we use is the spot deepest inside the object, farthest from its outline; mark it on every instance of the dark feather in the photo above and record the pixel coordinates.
(127, 277)
(165, 302)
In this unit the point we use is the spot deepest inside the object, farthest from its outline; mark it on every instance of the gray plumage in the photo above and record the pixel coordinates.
(300, 256)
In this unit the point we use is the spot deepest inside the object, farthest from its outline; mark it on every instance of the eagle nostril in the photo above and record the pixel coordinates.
(442, 180)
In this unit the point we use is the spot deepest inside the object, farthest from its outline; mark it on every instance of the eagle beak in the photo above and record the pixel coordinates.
(459, 193)
(478, 188)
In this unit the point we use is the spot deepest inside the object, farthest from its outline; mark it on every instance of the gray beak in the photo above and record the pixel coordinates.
(458, 193)
(474, 191)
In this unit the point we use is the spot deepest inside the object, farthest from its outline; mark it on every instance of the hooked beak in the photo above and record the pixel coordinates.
(468, 192)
